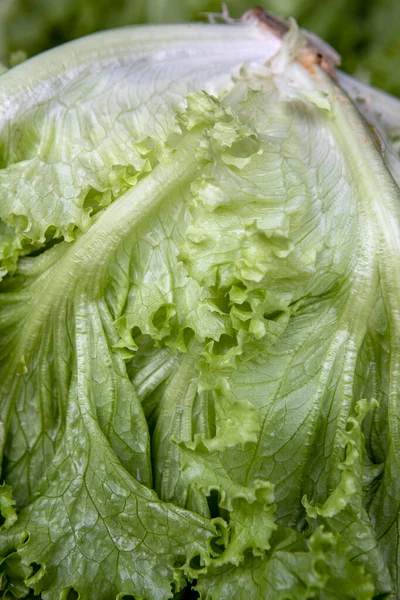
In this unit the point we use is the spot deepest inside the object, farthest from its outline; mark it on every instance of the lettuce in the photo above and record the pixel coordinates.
(199, 321)
(368, 40)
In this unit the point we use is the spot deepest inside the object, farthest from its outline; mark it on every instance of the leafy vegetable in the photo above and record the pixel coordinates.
(368, 38)
(199, 321)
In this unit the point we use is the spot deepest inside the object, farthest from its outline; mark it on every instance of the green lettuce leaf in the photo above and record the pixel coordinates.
(368, 43)
(199, 323)
(295, 569)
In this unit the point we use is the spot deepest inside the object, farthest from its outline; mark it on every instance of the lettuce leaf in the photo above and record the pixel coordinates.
(199, 323)
(368, 41)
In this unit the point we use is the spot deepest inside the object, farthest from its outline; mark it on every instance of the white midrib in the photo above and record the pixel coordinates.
(379, 196)
(380, 199)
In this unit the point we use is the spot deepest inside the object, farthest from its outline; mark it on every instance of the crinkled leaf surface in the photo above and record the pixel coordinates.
(199, 323)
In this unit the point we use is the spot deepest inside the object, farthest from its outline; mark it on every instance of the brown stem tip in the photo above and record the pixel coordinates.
(315, 52)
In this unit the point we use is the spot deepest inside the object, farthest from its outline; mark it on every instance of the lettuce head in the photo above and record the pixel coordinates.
(199, 320)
